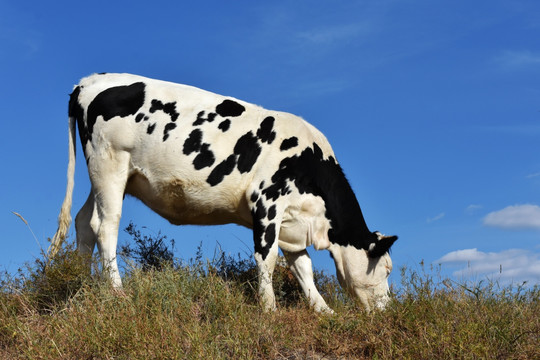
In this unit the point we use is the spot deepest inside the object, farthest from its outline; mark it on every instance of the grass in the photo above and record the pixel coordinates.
(202, 310)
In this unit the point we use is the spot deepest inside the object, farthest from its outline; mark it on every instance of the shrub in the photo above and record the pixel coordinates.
(152, 253)
(49, 282)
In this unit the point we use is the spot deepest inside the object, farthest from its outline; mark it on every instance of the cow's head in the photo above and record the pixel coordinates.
(364, 273)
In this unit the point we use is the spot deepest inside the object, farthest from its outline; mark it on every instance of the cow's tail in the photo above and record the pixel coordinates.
(64, 219)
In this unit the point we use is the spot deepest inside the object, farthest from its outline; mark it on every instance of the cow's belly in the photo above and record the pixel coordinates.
(190, 201)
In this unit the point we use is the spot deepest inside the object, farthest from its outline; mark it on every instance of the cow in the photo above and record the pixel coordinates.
(195, 157)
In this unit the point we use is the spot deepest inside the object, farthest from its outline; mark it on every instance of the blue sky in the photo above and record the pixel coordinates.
(432, 108)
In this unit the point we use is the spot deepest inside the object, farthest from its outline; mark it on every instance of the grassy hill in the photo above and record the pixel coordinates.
(209, 310)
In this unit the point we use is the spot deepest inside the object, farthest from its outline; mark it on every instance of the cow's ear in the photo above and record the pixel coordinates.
(381, 246)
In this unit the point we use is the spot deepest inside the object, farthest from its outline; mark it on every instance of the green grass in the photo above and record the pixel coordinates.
(209, 310)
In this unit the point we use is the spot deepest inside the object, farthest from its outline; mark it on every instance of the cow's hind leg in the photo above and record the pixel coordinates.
(108, 186)
(86, 234)
(301, 267)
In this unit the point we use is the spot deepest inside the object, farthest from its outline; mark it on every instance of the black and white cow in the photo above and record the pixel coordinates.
(195, 157)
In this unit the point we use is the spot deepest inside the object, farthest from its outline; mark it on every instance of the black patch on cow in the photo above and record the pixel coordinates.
(289, 143)
(269, 238)
(168, 108)
(260, 210)
(248, 150)
(260, 232)
(272, 212)
(193, 142)
(139, 117)
(150, 128)
(201, 119)
(265, 132)
(221, 170)
(274, 191)
(76, 111)
(312, 174)
(230, 108)
(261, 185)
(224, 125)
(270, 235)
(205, 158)
(168, 127)
(116, 101)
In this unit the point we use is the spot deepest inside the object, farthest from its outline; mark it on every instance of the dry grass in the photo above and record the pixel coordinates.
(209, 311)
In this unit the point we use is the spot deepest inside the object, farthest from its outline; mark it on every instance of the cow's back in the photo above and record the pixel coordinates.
(193, 154)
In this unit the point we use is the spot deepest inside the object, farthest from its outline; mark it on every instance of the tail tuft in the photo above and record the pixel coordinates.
(64, 219)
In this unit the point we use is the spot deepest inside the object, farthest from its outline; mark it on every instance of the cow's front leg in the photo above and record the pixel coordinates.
(266, 224)
(265, 266)
(301, 267)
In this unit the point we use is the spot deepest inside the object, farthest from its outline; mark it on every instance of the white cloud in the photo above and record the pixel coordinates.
(507, 266)
(460, 255)
(525, 216)
(473, 208)
(518, 59)
(435, 218)
(532, 176)
(511, 129)
(319, 87)
(331, 34)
